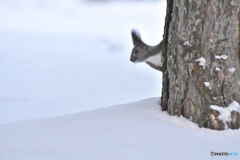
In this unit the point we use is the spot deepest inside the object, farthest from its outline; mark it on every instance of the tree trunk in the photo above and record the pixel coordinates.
(201, 57)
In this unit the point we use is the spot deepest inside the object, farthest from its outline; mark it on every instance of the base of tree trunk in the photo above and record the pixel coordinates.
(201, 56)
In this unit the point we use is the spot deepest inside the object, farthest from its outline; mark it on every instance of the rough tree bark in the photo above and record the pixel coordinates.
(201, 51)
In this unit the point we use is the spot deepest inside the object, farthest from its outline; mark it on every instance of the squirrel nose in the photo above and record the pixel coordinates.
(131, 59)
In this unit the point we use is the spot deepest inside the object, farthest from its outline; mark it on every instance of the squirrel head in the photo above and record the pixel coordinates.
(140, 49)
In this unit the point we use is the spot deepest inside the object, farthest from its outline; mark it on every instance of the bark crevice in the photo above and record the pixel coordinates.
(223, 96)
(165, 82)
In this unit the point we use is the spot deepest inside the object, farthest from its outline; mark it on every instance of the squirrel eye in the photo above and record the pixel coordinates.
(136, 51)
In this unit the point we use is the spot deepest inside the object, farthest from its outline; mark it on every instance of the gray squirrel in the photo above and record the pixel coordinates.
(142, 52)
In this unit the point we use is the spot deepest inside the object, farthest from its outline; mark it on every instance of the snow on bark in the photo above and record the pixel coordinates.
(187, 44)
(225, 113)
(221, 57)
(231, 70)
(202, 62)
(207, 84)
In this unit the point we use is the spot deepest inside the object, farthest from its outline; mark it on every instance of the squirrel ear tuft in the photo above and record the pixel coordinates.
(136, 37)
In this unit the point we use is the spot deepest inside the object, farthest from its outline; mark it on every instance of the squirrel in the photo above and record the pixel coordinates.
(141, 52)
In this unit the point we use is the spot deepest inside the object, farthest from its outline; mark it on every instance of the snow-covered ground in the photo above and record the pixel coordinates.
(136, 131)
(61, 57)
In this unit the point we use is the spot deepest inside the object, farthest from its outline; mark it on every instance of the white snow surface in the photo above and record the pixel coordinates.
(225, 113)
(202, 62)
(136, 131)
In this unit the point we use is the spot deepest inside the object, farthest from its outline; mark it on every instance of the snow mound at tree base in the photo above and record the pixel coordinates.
(138, 131)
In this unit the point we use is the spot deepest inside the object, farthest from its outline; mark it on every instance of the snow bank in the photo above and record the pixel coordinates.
(137, 130)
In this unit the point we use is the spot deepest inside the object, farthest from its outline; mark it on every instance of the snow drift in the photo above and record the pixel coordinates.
(137, 131)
